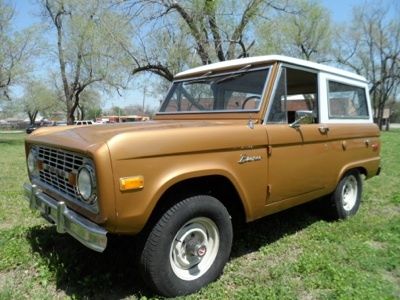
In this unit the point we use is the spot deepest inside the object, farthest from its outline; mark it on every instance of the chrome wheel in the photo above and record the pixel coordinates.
(349, 192)
(194, 248)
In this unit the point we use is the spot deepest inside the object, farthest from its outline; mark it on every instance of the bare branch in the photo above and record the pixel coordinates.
(210, 11)
(248, 14)
(158, 69)
(199, 39)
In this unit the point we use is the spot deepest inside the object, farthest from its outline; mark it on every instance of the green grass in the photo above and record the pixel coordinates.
(296, 254)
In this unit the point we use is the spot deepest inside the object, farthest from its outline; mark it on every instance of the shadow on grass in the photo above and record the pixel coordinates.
(114, 274)
(83, 273)
(11, 141)
(250, 237)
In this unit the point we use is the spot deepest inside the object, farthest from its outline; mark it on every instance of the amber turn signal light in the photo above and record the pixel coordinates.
(131, 183)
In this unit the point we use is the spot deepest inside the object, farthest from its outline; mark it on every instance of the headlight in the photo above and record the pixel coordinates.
(32, 161)
(86, 184)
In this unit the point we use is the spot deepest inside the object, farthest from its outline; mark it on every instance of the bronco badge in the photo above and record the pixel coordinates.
(244, 158)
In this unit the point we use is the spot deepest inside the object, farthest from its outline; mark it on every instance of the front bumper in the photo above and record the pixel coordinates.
(88, 233)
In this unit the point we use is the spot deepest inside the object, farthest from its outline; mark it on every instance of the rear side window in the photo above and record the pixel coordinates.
(347, 101)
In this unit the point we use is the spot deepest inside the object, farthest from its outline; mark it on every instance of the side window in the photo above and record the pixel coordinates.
(296, 96)
(277, 111)
(346, 101)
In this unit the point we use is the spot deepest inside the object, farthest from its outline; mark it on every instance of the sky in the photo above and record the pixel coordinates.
(27, 13)
(341, 10)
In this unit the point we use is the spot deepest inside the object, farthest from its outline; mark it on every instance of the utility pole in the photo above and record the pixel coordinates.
(144, 99)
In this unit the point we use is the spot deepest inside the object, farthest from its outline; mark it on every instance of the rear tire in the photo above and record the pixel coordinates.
(346, 199)
(188, 247)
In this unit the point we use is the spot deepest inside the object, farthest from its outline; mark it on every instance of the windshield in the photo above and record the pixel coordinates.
(228, 92)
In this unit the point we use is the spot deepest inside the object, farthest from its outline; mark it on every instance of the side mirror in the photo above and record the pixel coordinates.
(303, 117)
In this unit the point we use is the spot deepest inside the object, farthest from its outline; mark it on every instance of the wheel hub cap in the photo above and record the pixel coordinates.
(349, 193)
(194, 248)
(201, 250)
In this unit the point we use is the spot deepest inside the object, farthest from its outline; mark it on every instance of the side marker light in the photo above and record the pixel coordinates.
(131, 183)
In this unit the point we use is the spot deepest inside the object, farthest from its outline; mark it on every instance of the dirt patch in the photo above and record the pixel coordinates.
(376, 245)
(392, 278)
(21, 283)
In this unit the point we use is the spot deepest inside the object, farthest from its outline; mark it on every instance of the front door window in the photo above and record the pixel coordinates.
(295, 97)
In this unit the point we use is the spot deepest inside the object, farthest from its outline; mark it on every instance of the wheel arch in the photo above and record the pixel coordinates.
(217, 186)
(352, 167)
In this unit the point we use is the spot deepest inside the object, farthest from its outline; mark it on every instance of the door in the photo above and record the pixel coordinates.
(297, 141)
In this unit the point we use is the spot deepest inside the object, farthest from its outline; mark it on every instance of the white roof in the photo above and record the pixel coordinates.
(269, 59)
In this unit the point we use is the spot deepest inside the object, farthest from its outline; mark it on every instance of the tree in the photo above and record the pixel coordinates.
(86, 53)
(180, 34)
(9, 109)
(89, 105)
(138, 110)
(38, 98)
(116, 110)
(395, 111)
(305, 33)
(371, 47)
(17, 50)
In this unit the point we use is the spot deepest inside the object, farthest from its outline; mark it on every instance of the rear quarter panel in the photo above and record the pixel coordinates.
(354, 146)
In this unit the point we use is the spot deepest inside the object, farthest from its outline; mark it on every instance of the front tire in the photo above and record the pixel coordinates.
(346, 199)
(188, 247)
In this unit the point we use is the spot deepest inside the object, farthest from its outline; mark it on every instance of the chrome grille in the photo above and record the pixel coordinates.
(57, 165)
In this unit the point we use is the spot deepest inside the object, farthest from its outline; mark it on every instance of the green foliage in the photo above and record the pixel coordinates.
(295, 254)
(39, 98)
(95, 33)
(370, 46)
(91, 43)
(17, 50)
(395, 112)
(306, 33)
(89, 105)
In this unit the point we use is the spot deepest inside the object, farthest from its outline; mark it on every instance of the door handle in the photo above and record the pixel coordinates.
(323, 129)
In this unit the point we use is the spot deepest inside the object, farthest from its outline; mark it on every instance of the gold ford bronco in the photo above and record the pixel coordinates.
(233, 141)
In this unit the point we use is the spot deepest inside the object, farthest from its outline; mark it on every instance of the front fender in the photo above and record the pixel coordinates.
(161, 173)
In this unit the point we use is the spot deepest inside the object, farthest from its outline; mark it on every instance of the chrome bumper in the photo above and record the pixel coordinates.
(88, 233)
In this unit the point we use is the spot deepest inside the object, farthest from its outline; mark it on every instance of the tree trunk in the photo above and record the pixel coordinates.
(387, 127)
(381, 109)
(70, 117)
(32, 117)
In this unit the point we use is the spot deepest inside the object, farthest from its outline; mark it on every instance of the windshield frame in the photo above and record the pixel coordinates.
(208, 76)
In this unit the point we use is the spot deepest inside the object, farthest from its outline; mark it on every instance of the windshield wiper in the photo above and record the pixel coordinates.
(228, 78)
(235, 75)
(196, 81)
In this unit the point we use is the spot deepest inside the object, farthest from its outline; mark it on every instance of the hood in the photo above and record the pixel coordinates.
(101, 133)
(150, 137)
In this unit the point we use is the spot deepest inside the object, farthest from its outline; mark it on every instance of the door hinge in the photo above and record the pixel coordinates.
(269, 188)
(269, 150)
